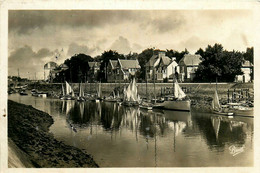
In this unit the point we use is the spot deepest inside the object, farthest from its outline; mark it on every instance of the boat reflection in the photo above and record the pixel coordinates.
(218, 130)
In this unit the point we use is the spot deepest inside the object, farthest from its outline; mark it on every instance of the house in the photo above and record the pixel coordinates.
(111, 71)
(94, 68)
(121, 70)
(247, 69)
(188, 66)
(160, 67)
(126, 69)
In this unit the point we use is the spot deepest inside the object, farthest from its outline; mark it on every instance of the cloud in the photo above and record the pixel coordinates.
(121, 45)
(27, 60)
(74, 48)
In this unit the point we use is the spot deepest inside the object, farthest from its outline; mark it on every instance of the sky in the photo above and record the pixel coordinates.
(36, 37)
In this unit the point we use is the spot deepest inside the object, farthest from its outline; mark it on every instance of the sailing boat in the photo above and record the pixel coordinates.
(216, 107)
(177, 102)
(131, 98)
(98, 96)
(81, 94)
(69, 93)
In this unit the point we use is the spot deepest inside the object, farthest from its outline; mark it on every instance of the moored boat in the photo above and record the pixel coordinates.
(177, 102)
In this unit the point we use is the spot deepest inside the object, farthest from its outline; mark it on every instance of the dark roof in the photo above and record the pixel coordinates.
(126, 64)
(152, 60)
(191, 60)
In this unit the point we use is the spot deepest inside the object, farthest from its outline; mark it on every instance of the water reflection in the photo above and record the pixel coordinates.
(158, 137)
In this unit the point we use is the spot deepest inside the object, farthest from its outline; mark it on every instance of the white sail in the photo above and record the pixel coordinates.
(215, 102)
(69, 89)
(178, 93)
(81, 92)
(130, 94)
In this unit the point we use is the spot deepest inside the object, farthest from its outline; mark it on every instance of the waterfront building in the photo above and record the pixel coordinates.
(188, 66)
(247, 69)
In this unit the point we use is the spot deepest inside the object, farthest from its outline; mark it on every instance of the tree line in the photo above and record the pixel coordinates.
(216, 63)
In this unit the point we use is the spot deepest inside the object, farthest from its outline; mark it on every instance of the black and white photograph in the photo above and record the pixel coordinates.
(130, 88)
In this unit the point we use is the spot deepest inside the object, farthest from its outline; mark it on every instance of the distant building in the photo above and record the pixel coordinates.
(247, 69)
(188, 66)
(121, 70)
(94, 68)
(160, 67)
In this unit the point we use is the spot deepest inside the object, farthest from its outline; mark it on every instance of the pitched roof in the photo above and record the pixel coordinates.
(191, 60)
(113, 63)
(126, 64)
(166, 60)
(152, 60)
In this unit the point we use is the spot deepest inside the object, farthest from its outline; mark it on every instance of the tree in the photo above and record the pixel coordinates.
(78, 67)
(218, 63)
(143, 58)
(178, 55)
(249, 54)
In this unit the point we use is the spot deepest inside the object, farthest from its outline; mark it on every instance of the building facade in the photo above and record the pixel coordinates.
(188, 66)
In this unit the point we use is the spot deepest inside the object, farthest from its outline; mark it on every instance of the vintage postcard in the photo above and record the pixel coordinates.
(143, 85)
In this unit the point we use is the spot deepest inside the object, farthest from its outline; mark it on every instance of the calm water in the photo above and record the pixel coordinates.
(118, 136)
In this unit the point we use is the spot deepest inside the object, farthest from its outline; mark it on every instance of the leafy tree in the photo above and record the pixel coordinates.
(178, 55)
(143, 58)
(218, 63)
(77, 67)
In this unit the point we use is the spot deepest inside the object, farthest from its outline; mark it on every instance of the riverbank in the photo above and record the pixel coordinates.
(28, 128)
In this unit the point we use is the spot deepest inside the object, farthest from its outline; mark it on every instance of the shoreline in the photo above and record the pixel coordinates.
(28, 129)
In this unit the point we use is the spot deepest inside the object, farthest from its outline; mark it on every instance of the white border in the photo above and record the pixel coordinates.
(120, 4)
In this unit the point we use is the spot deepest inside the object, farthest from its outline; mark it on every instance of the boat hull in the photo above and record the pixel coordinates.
(180, 105)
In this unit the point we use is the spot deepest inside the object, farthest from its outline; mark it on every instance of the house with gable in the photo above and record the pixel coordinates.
(188, 66)
(126, 69)
(121, 70)
(160, 67)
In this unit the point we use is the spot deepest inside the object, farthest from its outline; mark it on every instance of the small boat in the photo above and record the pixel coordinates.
(23, 93)
(217, 108)
(240, 110)
(178, 102)
(67, 94)
(146, 105)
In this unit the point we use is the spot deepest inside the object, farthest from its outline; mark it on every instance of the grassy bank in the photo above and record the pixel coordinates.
(28, 128)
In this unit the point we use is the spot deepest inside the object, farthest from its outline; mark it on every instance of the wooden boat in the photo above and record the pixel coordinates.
(240, 110)
(146, 105)
(177, 102)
